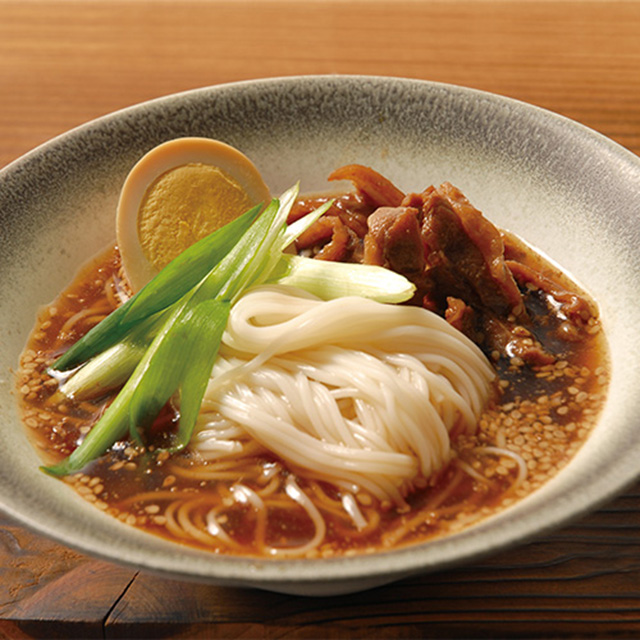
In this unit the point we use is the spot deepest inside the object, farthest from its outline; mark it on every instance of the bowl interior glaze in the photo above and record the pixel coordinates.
(567, 190)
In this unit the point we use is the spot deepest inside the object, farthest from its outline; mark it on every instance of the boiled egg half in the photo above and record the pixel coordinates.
(178, 193)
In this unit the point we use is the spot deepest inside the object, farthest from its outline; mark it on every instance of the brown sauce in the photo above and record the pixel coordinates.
(544, 414)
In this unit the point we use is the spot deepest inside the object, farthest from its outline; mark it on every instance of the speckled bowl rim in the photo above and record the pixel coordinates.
(340, 575)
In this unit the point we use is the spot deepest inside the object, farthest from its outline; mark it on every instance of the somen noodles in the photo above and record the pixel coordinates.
(350, 390)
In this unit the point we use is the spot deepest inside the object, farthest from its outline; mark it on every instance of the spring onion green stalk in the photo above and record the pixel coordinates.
(105, 372)
(111, 368)
(180, 360)
(173, 328)
(178, 277)
(329, 280)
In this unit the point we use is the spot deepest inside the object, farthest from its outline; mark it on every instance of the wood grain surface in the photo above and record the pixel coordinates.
(63, 63)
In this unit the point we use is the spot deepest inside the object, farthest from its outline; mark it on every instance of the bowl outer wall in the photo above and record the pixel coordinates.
(564, 188)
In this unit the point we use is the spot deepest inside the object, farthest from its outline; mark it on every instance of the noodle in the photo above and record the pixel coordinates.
(375, 414)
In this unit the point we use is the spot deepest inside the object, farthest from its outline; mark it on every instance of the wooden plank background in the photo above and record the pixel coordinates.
(65, 62)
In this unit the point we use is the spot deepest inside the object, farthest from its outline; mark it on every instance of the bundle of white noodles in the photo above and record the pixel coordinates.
(351, 391)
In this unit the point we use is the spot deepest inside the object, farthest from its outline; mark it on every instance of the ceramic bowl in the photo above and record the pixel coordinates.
(564, 188)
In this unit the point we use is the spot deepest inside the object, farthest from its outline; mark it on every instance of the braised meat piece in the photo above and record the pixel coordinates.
(465, 251)
(447, 248)
(462, 317)
(380, 191)
(339, 234)
(394, 241)
(571, 308)
(330, 232)
(455, 257)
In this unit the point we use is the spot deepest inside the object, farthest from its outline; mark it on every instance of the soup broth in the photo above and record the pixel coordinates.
(259, 505)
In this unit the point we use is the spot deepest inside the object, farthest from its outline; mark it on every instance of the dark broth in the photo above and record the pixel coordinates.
(544, 415)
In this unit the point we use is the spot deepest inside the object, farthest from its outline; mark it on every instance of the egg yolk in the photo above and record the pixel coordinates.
(184, 205)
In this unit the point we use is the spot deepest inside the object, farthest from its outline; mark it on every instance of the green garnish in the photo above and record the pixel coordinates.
(329, 280)
(166, 338)
(178, 277)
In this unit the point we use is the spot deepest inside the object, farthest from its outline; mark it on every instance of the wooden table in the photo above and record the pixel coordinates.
(63, 63)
